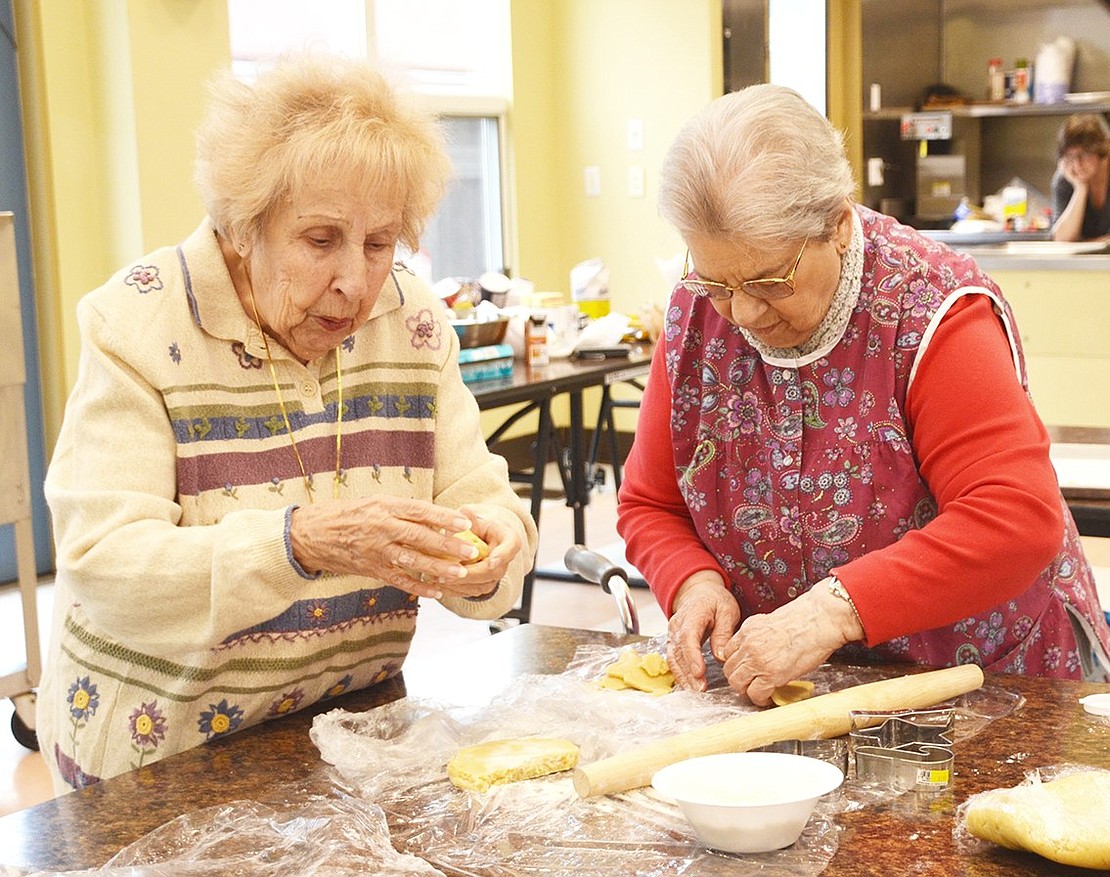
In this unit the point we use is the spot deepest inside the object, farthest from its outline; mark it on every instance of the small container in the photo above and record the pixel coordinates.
(535, 347)
(1021, 81)
(747, 802)
(996, 78)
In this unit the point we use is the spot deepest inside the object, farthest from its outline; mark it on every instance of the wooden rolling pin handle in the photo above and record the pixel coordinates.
(817, 718)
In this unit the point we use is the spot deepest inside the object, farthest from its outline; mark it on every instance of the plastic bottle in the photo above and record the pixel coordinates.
(1021, 81)
(536, 341)
(996, 79)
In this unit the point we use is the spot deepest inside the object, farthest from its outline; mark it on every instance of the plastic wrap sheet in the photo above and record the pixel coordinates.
(393, 759)
(320, 836)
(969, 844)
(396, 755)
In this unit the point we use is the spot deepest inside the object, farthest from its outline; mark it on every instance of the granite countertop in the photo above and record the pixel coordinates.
(267, 763)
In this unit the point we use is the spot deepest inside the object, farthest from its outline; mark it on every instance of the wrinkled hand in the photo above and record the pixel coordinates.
(703, 609)
(482, 577)
(406, 543)
(1076, 173)
(771, 650)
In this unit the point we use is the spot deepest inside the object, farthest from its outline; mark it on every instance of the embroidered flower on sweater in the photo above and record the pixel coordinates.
(337, 689)
(82, 699)
(148, 724)
(287, 703)
(425, 330)
(219, 719)
(144, 278)
(175, 353)
(246, 360)
(317, 613)
(148, 728)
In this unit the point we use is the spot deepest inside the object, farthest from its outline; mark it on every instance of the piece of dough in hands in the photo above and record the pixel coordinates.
(477, 541)
(792, 692)
(1064, 820)
(476, 768)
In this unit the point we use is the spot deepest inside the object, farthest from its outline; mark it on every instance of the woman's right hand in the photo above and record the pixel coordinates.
(1077, 173)
(407, 543)
(703, 608)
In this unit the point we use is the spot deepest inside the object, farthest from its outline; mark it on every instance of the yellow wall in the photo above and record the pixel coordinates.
(113, 90)
(583, 69)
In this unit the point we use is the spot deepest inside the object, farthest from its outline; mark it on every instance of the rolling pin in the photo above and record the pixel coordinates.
(819, 717)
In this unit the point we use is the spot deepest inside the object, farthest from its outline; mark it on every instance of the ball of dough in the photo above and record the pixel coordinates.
(477, 541)
(1063, 820)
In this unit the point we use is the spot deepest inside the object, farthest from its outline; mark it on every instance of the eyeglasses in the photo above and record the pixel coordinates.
(770, 288)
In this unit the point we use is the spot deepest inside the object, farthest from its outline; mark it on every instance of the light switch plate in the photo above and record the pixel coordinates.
(636, 181)
(592, 178)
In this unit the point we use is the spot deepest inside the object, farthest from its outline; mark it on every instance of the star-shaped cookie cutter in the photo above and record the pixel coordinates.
(909, 750)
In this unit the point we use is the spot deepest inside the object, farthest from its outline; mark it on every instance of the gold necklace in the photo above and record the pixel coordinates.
(285, 414)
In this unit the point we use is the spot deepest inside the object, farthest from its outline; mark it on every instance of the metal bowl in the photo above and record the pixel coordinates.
(479, 333)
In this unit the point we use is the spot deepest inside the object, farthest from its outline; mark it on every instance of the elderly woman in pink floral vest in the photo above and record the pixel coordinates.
(837, 450)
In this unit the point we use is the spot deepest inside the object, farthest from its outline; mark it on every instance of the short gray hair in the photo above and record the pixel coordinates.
(759, 165)
(310, 116)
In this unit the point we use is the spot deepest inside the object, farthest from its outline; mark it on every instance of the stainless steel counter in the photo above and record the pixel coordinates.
(1020, 252)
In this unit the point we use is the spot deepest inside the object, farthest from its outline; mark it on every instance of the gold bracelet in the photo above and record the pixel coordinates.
(838, 590)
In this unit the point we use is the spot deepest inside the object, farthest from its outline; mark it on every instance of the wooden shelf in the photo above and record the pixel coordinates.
(988, 110)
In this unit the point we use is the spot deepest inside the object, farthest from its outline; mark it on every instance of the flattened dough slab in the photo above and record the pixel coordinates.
(1064, 820)
(476, 768)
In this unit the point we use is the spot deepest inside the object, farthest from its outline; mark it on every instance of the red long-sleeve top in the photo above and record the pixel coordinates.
(982, 450)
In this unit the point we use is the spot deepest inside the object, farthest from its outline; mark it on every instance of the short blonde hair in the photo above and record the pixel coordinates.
(311, 116)
(759, 165)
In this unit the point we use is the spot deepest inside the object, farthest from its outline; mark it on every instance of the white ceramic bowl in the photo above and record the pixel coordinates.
(748, 802)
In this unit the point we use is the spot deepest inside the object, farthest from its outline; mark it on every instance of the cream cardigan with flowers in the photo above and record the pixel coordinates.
(180, 613)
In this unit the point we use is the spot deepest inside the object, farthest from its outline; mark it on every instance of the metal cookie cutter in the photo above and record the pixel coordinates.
(910, 750)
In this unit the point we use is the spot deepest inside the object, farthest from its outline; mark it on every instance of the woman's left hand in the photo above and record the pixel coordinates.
(482, 577)
(773, 649)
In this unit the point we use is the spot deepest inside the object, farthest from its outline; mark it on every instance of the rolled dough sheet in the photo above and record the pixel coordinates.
(476, 768)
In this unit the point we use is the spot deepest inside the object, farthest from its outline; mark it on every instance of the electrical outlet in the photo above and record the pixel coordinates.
(592, 177)
(874, 171)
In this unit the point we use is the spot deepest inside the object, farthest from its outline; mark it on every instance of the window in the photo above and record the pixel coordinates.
(796, 47)
(458, 56)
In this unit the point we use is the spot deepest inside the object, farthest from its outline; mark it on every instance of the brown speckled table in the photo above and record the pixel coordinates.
(908, 835)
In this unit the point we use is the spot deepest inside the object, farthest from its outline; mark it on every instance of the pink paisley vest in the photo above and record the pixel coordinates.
(789, 472)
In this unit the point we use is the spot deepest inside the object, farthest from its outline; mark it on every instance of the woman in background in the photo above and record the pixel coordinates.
(269, 446)
(1081, 184)
(836, 449)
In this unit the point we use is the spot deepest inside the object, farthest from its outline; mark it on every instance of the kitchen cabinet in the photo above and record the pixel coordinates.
(1062, 316)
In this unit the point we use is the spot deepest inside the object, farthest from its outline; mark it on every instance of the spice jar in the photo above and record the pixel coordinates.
(996, 79)
(1021, 81)
(535, 336)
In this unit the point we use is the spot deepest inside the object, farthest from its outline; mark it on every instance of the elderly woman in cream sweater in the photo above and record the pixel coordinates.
(269, 447)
